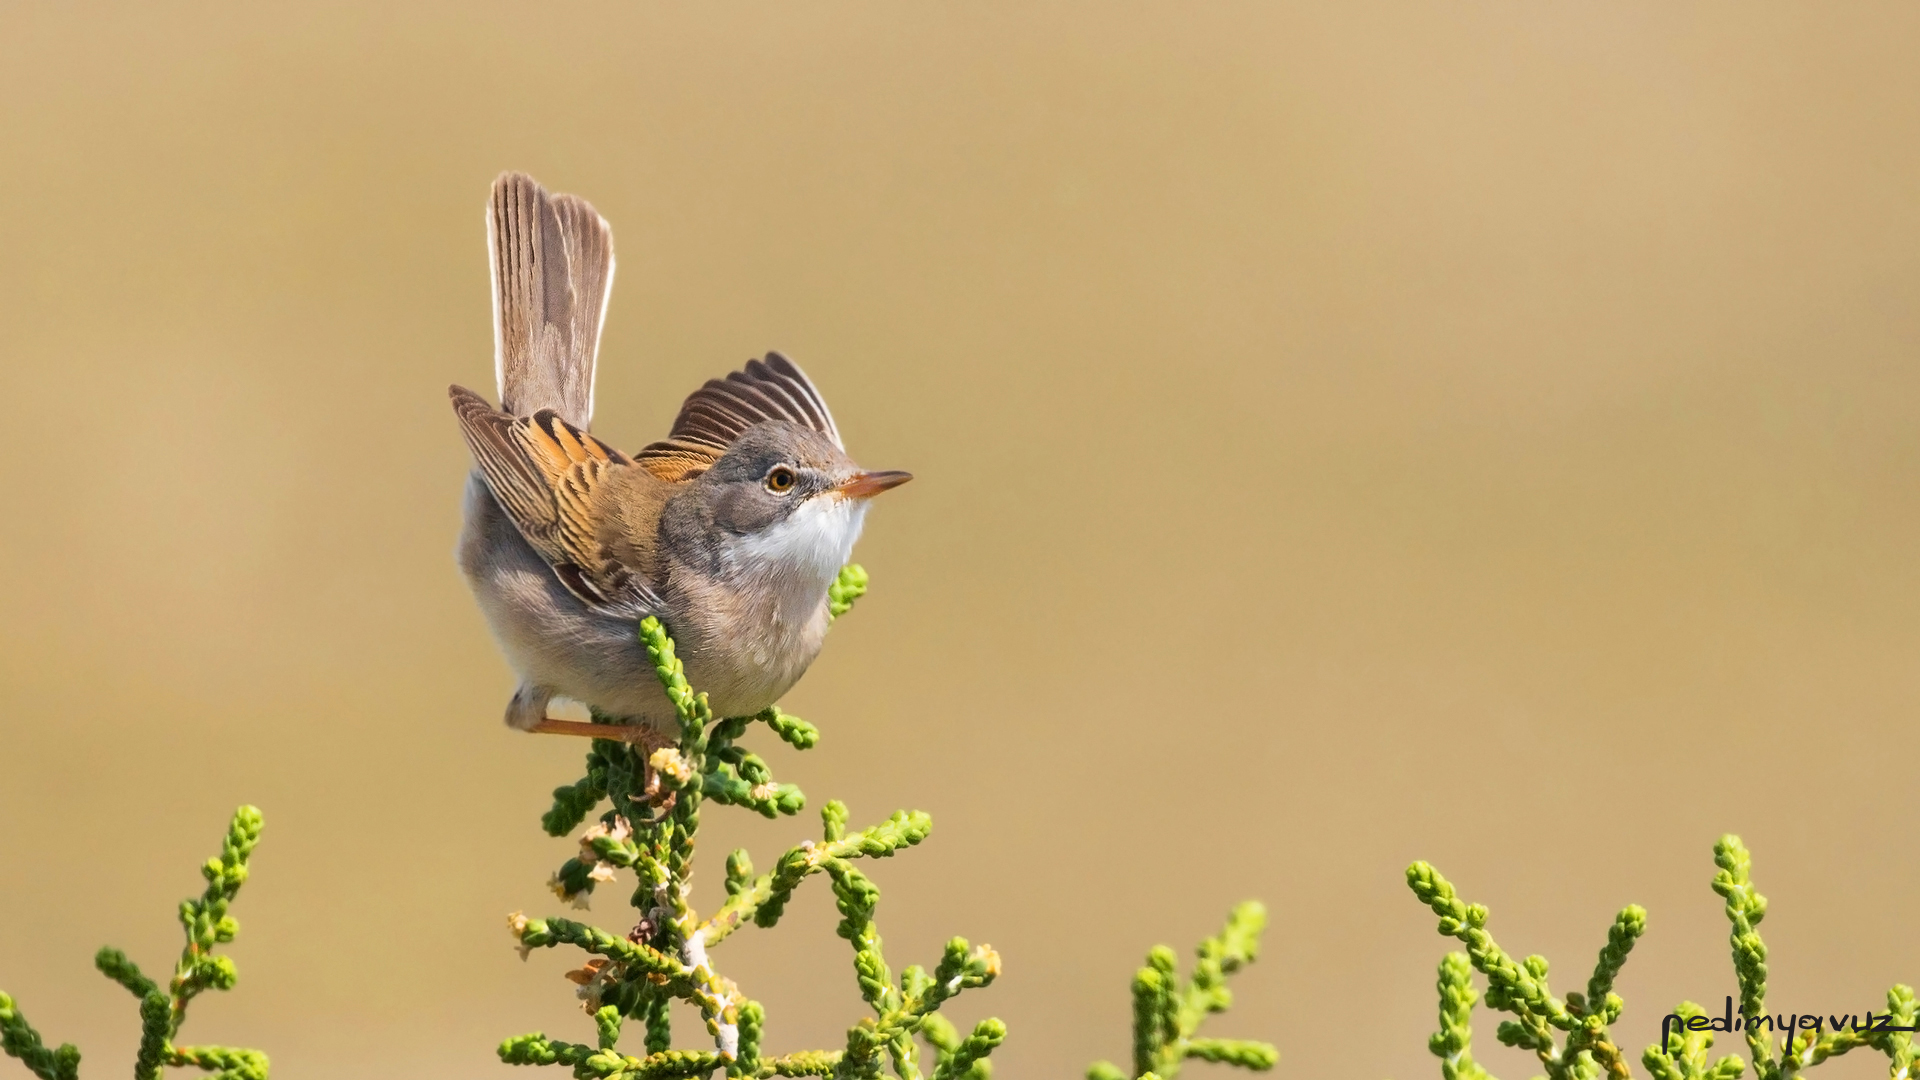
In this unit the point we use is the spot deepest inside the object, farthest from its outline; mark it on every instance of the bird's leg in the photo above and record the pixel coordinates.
(626, 733)
(527, 711)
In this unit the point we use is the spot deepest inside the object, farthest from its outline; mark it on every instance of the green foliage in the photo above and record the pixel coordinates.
(20, 1040)
(1166, 1013)
(164, 1009)
(1684, 1055)
(1453, 1043)
(654, 797)
(851, 585)
(1584, 1019)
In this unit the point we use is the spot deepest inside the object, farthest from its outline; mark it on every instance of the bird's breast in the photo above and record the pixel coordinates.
(758, 610)
(744, 646)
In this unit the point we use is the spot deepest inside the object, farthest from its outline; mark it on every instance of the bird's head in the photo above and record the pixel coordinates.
(787, 500)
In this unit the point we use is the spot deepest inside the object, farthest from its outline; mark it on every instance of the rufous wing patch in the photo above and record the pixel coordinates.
(545, 473)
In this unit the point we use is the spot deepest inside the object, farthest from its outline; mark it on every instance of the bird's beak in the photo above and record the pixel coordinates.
(868, 484)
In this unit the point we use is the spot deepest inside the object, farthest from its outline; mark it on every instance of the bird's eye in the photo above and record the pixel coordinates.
(780, 479)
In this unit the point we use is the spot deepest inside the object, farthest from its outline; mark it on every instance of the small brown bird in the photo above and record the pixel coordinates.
(729, 530)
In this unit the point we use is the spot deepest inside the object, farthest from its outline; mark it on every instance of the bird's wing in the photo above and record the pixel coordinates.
(715, 415)
(545, 473)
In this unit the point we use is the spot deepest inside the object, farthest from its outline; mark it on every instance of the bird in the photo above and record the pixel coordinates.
(729, 530)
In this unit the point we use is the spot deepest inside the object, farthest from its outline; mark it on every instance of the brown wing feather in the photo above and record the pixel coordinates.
(545, 473)
(715, 415)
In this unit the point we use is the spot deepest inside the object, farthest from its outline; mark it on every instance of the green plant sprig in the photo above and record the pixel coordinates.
(851, 585)
(1745, 908)
(19, 1039)
(1453, 1043)
(654, 797)
(1521, 989)
(1166, 1013)
(1685, 1055)
(163, 1010)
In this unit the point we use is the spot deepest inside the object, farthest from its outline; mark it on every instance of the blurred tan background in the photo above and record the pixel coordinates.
(1346, 434)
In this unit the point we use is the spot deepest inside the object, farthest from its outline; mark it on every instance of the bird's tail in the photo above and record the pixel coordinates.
(552, 259)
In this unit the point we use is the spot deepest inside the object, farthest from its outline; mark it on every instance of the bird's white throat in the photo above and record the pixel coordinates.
(795, 560)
